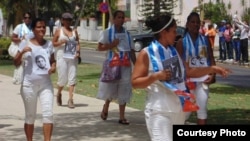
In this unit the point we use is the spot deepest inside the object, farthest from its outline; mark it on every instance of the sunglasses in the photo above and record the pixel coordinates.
(26, 17)
(67, 19)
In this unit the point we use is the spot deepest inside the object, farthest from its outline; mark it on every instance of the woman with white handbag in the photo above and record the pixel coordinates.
(21, 33)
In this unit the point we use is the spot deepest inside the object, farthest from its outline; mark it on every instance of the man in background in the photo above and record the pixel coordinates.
(51, 26)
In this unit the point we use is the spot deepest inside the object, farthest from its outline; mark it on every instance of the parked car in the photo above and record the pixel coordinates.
(143, 40)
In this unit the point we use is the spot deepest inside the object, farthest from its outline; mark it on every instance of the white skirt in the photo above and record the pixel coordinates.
(120, 90)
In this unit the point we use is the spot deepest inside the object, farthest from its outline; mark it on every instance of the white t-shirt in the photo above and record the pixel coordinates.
(31, 74)
(23, 31)
(57, 23)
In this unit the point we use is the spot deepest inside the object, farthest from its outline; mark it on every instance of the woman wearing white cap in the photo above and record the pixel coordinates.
(64, 38)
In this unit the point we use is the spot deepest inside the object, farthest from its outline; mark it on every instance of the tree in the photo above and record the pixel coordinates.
(156, 7)
(16, 8)
(215, 11)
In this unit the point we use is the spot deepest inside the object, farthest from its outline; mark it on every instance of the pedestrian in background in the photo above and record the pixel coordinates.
(211, 33)
(37, 86)
(57, 23)
(228, 34)
(236, 43)
(120, 90)
(51, 27)
(203, 28)
(21, 33)
(66, 67)
(244, 28)
(222, 44)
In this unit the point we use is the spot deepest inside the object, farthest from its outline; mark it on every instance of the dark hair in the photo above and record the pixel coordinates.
(39, 56)
(27, 13)
(117, 12)
(35, 21)
(192, 14)
(157, 22)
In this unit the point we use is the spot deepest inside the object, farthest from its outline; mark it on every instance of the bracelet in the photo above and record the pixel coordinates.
(78, 52)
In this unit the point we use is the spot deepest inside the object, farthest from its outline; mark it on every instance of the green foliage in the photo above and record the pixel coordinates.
(156, 7)
(4, 43)
(214, 11)
(246, 15)
(14, 9)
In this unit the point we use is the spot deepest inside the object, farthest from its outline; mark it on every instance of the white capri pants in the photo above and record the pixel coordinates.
(30, 94)
(201, 93)
(160, 125)
(66, 69)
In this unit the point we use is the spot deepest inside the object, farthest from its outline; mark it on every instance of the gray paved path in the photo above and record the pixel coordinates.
(80, 124)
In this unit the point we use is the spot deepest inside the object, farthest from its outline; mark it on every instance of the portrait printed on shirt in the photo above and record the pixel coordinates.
(123, 42)
(173, 65)
(201, 60)
(70, 49)
(41, 64)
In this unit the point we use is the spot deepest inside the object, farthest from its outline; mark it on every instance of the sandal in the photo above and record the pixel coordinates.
(123, 121)
(104, 115)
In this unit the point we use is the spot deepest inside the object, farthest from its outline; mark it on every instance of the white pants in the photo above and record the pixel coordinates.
(201, 93)
(30, 94)
(160, 125)
(66, 69)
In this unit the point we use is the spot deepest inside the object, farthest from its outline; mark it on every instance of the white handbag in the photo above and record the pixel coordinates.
(13, 49)
(18, 75)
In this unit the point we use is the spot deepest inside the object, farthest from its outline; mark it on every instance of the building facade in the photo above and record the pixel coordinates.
(184, 7)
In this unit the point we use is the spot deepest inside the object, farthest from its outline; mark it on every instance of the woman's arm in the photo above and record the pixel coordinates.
(78, 47)
(52, 64)
(55, 41)
(19, 55)
(141, 77)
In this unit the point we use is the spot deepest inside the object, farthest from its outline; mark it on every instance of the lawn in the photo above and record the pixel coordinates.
(227, 104)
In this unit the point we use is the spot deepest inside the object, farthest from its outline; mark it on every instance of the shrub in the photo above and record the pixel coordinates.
(4, 45)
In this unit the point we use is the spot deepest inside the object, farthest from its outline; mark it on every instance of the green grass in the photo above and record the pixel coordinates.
(226, 105)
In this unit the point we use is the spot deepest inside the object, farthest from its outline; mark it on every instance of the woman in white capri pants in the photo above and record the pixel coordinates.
(66, 61)
(36, 82)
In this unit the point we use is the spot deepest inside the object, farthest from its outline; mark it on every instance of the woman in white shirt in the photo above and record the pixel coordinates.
(37, 84)
(244, 28)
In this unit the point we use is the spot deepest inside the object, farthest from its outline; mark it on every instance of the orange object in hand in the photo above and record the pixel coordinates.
(190, 106)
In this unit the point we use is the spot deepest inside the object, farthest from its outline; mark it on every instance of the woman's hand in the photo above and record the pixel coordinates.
(77, 54)
(26, 49)
(224, 72)
(164, 75)
(52, 69)
(211, 79)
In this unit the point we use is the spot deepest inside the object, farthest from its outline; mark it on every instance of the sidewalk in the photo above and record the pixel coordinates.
(80, 124)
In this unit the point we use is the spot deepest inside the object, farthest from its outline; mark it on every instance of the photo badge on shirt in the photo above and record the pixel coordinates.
(70, 49)
(41, 64)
